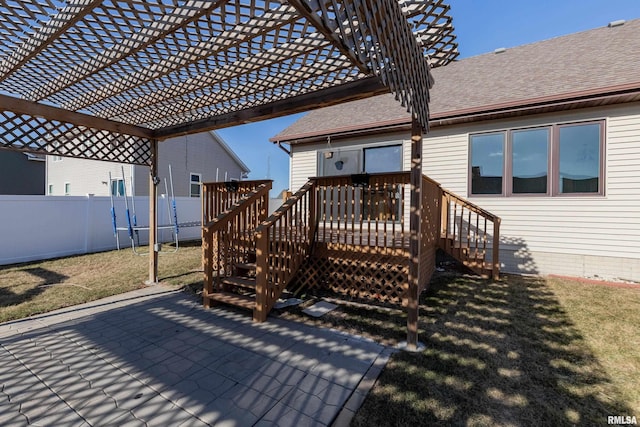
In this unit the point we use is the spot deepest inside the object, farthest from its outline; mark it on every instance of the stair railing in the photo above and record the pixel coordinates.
(283, 242)
(228, 239)
(467, 227)
(218, 197)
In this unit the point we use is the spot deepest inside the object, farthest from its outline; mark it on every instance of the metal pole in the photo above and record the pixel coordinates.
(133, 205)
(113, 213)
(126, 205)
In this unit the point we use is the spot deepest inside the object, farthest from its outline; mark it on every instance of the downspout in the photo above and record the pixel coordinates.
(279, 144)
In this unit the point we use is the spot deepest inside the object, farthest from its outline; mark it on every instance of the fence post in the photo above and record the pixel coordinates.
(495, 256)
(89, 232)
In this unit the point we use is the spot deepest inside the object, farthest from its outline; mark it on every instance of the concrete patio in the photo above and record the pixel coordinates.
(155, 357)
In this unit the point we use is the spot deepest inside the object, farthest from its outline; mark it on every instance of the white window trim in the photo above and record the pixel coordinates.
(67, 191)
(191, 182)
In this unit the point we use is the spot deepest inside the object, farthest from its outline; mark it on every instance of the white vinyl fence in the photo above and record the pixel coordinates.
(41, 227)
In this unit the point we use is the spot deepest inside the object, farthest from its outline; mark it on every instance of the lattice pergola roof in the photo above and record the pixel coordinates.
(101, 79)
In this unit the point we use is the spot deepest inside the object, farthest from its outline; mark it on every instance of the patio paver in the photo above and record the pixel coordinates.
(156, 357)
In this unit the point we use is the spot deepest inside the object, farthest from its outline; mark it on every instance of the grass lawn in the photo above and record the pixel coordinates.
(522, 351)
(39, 287)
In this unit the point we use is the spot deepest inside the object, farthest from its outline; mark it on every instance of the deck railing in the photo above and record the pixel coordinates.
(468, 231)
(363, 210)
(283, 243)
(430, 218)
(218, 197)
(228, 239)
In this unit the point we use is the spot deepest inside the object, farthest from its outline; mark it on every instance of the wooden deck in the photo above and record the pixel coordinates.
(336, 233)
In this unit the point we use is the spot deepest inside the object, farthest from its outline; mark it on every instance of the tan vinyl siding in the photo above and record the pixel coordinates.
(597, 226)
(304, 165)
(574, 235)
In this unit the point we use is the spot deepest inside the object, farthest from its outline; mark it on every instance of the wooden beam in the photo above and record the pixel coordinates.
(414, 241)
(34, 109)
(153, 217)
(309, 11)
(352, 91)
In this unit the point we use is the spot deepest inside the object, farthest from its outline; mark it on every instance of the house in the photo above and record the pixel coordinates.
(21, 173)
(193, 159)
(546, 136)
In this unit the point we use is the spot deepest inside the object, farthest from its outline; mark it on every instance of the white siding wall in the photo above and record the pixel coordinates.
(580, 236)
(193, 154)
(84, 176)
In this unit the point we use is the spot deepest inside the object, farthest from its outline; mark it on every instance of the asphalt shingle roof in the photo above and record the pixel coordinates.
(590, 62)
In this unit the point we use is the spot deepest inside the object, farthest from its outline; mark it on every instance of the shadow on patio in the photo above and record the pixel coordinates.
(167, 361)
(497, 353)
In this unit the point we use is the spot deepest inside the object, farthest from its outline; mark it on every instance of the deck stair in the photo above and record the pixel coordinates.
(470, 234)
(239, 290)
(250, 259)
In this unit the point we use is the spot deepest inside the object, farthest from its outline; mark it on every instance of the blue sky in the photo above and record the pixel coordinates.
(480, 26)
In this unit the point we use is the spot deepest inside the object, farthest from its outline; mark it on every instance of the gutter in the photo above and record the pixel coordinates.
(582, 99)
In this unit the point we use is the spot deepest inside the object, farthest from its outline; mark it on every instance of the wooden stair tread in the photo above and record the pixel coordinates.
(241, 282)
(242, 301)
(246, 265)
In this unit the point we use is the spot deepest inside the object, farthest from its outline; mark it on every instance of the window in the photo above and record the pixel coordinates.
(487, 163)
(579, 158)
(548, 160)
(340, 162)
(194, 184)
(50, 189)
(117, 187)
(383, 159)
(67, 189)
(530, 161)
(387, 158)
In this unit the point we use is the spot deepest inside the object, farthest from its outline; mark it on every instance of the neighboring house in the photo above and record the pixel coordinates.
(545, 135)
(21, 173)
(203, 157)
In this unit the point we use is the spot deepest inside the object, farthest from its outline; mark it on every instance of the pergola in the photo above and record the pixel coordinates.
(108, 79)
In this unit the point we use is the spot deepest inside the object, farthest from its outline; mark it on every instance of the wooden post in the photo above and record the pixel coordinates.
(153, 223)
(415, 181)
(262, 245)
(312, 213)
(207, 251)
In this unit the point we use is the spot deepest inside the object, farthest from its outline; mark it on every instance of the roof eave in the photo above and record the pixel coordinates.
(583, 99)
(566, 101)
